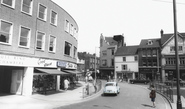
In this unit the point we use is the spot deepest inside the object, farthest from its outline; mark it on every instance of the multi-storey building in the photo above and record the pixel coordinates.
(37, 37)
(168, 59)
(108, 47)
(91, 63)
(149, 59)
(126, 62)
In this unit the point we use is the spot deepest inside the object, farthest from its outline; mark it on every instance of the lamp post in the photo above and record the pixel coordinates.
(95, 63)
(179, 104)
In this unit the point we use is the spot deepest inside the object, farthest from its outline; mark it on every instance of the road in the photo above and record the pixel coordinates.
(131, 97)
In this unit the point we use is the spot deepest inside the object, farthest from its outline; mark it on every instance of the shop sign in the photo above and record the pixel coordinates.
(15, 60)
(66, 65)
(46, 63)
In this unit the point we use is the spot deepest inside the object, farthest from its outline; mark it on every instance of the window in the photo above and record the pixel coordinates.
(52, 44)
(27, 6)
(75, 51)
(71, 30)
(124, 67)
(53, 18)
(112, 62)
(170, 61)
(75, 33)
(9, 3)
(42, 12)
(104, 53)
(40, 41)
(143, 52)
(5, 32)
(154, 62)
(124, 58)
(67, 48)
(135, 58)
(112, 51)
(149, 52)
(182, 60)
(150, 42)
(67, 26)
(104, 62)
(144, 62)
(24, 37)
(172, 48)
(154, 52)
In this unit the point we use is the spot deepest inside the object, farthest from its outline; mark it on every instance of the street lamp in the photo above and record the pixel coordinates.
(179, 104)
(95, 63)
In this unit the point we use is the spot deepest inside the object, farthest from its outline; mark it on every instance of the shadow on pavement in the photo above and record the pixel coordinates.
(146, 105)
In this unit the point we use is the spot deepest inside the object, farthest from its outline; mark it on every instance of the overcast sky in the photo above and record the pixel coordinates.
(136, 19)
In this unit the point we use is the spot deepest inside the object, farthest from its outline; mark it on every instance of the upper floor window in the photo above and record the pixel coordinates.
(42, 12)
(104, 53)
(104, 62)
(124, 67)
(24, 37)
(40, 41)
(154, 52)
(112, 62)
(172, 48)
(5, 32)
(71, 29)
(143, 52)
(52, 44)
(75, 52)
(149, 52)
(150, 42)
(9, 3)
(66, 26)
(27, 6)
(112, 51)
(53, 18)
(135, 58)
(75, 33)
(67, 48)
(124, 58)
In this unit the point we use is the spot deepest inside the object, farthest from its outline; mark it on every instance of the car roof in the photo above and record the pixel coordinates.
(111, 82)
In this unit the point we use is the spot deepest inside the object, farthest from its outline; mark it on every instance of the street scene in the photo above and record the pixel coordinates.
(92, 54)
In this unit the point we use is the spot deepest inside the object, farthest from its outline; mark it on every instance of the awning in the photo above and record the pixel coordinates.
(72, 71)
(51, 71)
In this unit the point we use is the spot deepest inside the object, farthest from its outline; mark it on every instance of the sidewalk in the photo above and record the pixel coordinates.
(49, 101)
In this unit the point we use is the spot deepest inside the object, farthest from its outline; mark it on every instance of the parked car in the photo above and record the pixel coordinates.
(132, 81)
(111, 88)
(174, 82)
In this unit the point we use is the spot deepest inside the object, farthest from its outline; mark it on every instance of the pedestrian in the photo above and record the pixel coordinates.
(66, 84)
(153, 96)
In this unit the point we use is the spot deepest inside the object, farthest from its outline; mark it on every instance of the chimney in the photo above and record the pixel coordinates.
(161, 32)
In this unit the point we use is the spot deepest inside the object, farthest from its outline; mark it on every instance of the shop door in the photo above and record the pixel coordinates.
(16, 85)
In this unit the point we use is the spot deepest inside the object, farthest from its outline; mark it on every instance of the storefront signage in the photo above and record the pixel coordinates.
(46, 63)
(66, 65)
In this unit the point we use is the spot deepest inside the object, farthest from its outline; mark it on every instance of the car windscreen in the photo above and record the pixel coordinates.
(109, 84)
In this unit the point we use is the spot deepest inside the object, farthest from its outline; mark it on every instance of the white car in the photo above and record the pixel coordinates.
(111, 88)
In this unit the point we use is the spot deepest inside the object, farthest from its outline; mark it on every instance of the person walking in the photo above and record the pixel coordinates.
(153, 96)
(66, 84)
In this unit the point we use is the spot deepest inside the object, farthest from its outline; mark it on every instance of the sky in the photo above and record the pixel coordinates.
(134, 19)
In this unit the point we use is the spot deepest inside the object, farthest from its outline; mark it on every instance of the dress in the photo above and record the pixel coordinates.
(66, 83)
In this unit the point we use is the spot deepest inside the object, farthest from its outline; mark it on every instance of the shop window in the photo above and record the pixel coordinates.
(5, 32)
(27, 6)
(24, 37)
(67, 49)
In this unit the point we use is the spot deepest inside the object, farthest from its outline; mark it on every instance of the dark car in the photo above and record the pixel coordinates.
(132, 81)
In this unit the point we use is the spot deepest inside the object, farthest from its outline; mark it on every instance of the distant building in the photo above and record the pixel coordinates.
(38, 40)
(90, 61)
(108, 47)
(126, 62)
(168, 60)
(149, 59)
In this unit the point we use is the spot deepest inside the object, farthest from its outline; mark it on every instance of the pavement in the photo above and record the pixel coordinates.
(57, 99)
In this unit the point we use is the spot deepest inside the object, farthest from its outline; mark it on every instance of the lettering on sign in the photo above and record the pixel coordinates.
(43, 62)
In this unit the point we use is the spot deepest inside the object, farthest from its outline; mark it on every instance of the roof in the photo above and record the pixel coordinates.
(126, 50)
(166, 37)
(144, 43)
(111, 41)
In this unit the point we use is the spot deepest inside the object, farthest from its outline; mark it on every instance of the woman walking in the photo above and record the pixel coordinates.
(153, 96)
